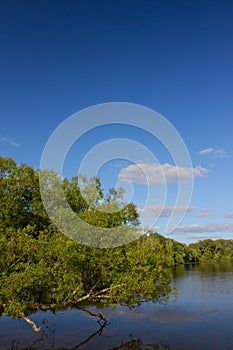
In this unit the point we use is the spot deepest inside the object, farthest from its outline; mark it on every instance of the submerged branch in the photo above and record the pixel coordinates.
(31, 323)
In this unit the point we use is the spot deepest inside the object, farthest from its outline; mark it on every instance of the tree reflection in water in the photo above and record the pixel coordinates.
(137, 344)
(133, 344)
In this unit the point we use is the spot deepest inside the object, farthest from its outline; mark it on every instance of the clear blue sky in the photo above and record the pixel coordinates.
(58, 57)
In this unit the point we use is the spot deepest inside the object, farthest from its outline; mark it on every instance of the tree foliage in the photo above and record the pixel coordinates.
(214, 250)
(41, 268)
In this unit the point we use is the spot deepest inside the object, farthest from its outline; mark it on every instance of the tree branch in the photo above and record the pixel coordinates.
(97, 295)
(32, 324)
(90, 296)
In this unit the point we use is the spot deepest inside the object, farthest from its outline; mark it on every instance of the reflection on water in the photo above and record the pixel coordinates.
(200, 318)
(133, 344)
(136, 344)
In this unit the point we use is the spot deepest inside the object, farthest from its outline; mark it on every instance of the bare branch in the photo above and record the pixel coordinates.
(101, 297)
(106, 290)
(90, 296)
(29, 321)
(75, 291)
(95, 285)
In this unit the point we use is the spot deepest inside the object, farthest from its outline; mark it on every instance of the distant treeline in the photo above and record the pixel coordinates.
(219, 250)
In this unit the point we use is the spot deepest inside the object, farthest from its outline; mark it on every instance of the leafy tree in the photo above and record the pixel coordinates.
(53, 272)
(214, 250)
(41, 268)
(21, 203)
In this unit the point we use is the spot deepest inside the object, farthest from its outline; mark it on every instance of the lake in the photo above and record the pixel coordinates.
(200, 318)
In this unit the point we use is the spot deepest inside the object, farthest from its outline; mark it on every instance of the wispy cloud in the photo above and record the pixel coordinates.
(214, 153)
(120, 164)
(220, 153)
(204, 236)
(206, 151)
(207, 228)
(203, 215)
(155, 228)
(10, 141)
(165, 210)
(153, 173)
(204, 212)
(229, 215)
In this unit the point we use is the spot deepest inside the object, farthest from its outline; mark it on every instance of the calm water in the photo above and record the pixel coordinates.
(201, 318)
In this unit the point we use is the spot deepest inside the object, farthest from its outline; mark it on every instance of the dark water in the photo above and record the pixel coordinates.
(201, 318)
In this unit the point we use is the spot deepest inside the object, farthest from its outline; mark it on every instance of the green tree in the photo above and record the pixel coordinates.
(20, 196)
(41, 268)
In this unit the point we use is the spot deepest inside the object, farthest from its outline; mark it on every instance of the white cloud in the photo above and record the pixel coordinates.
(203, 215)
(120, 164)
(165, 210)
(207, 228)
(10, 141)
(215, 153)
(155, 228)
(152, 173)
(207, 236)
(206, 151)
(204, 212)
(229, 215)
(220, 153)
(199, 171)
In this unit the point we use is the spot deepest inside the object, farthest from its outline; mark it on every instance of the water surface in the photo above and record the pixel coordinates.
(200, 318)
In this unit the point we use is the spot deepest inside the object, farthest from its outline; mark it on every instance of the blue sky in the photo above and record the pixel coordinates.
(58, 57)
